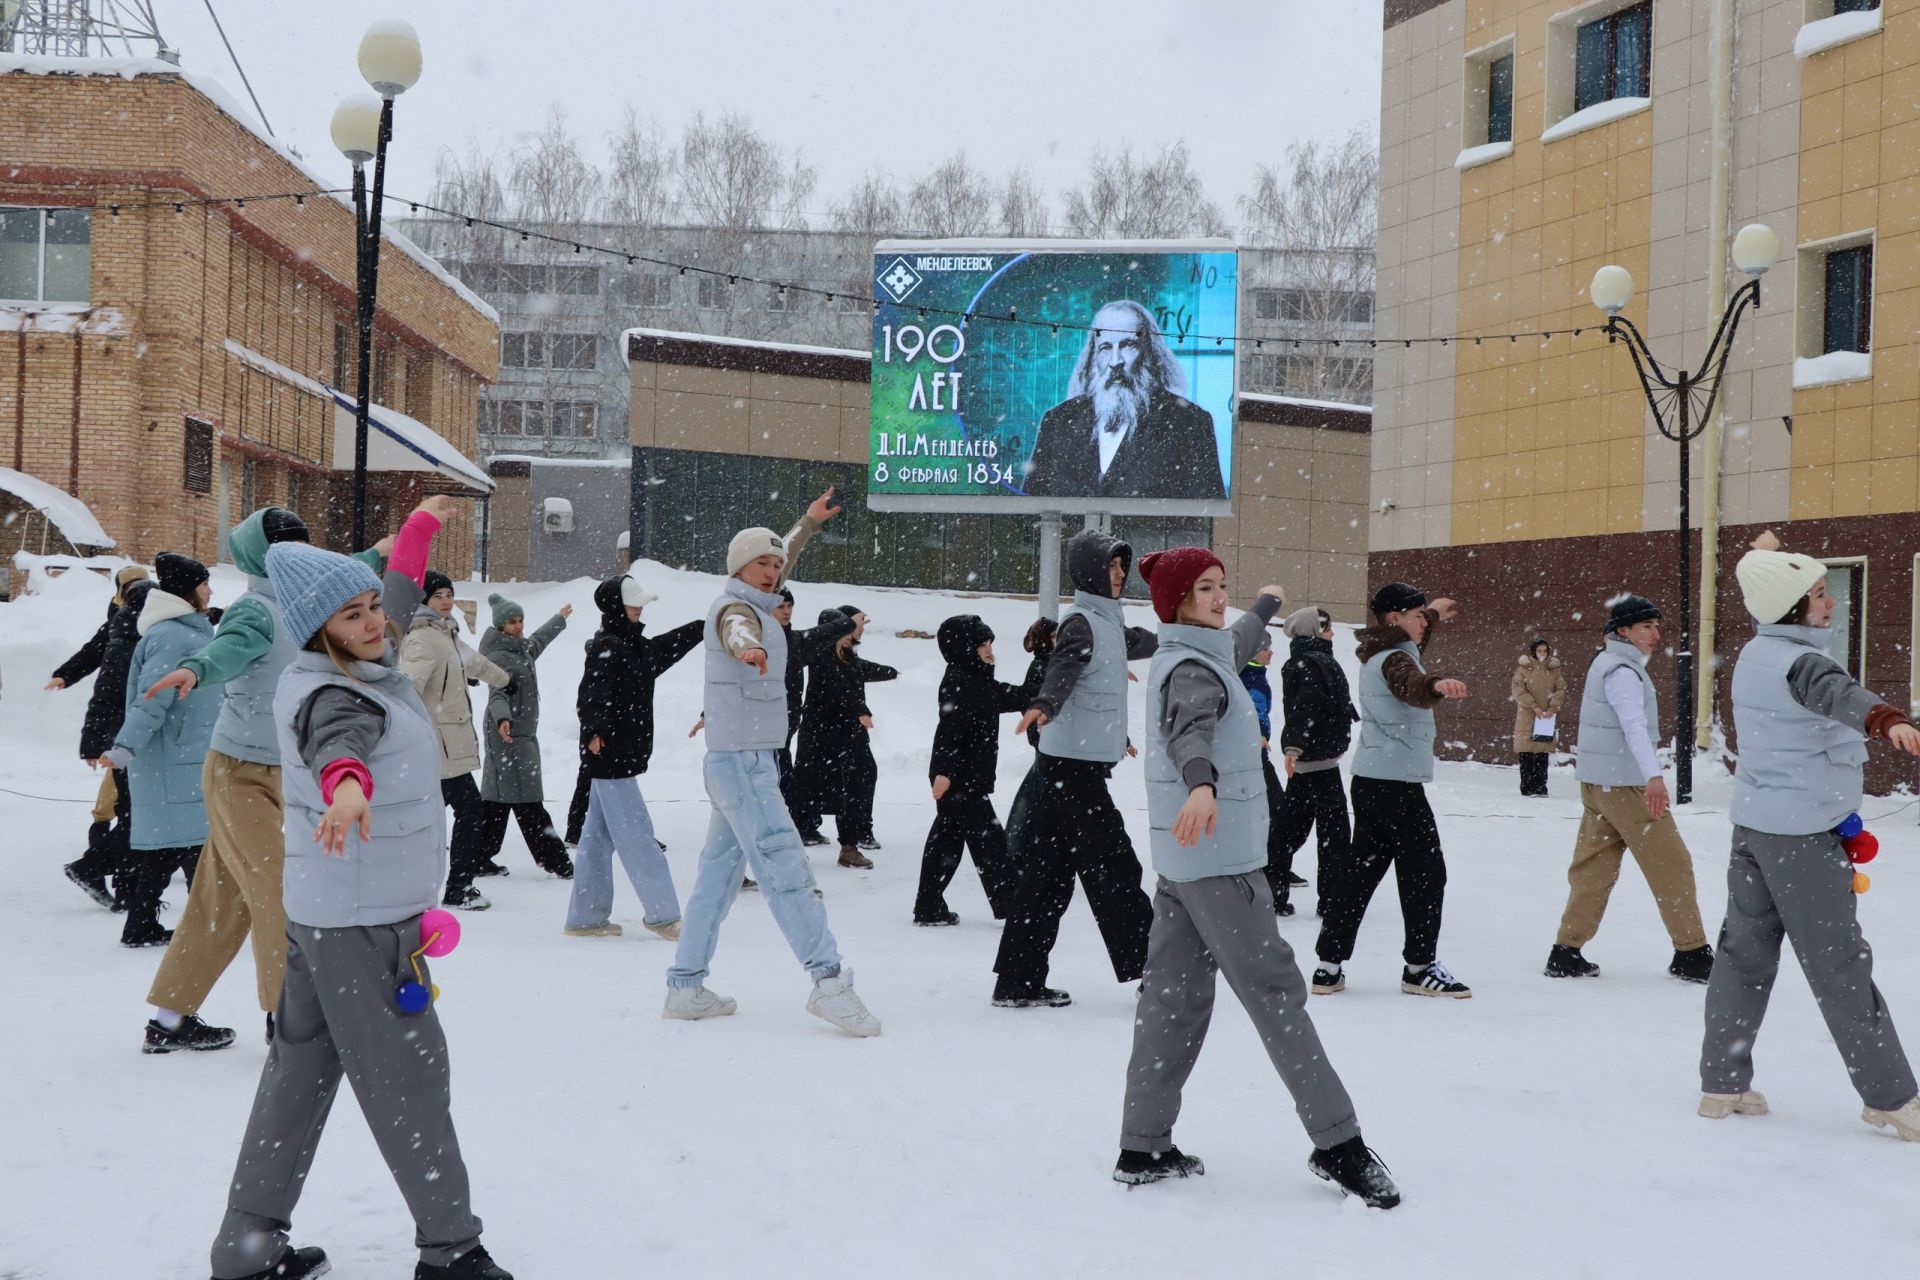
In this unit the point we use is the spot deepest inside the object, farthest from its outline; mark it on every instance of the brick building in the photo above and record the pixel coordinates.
(173, 365)
(1525, 143)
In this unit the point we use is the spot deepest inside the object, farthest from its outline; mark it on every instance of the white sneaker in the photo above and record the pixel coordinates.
(835, 1001)
(670, 930)
(1905, 1122)
(608, 930)
(1718, 1106)
(690, 1004)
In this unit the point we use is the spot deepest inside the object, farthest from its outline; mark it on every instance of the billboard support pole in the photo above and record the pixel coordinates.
(1049, 588)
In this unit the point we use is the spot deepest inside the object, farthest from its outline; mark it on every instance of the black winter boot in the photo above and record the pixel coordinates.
(190, 1034)
(940, 920)
(94, 886)
(1005, 997)
(296, 1264)
(1692, 966)
(1138, 1168)
(1567, 962)
(474, 1264)
(1357, 1171)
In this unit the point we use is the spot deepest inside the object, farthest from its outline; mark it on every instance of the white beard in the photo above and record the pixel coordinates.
(1118, 409)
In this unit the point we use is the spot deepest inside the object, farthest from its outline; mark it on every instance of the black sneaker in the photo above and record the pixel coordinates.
(467, 899)
(153, 935)
(560, 868)
(811, 838)
(1138, 1168)
(1567, 962)
(1296, 882)
(1328, 982)
(269, 1031)
(1434, 980)
(936, 922)
(296, 1264)
(1281, 907)
(1692, 966)
(190, 1034)
(474, 1264)
(869, 844)
(1357, 1171)
(491, 869)
(94, 887)
(748, 882)
(662, 843)
(1031, 998)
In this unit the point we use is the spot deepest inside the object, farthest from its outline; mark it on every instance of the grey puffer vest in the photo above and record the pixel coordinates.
(1396, 740)
(746, 711)
(1239, 840)
(246, 729)
(1799, 772)
(397, 873)
(1093, 723)
(1605, 758)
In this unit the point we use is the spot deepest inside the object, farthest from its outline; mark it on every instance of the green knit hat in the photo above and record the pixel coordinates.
(504, 610)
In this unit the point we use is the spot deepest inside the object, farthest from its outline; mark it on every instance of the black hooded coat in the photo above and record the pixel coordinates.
(832, 739)
(966, 743)
(107, 707)
(616, 689)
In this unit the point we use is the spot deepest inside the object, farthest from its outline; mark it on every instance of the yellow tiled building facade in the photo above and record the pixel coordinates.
(166, 370)
(1525, 145)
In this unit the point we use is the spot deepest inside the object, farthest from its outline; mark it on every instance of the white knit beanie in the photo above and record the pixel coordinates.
(749, 545)
(1772, 581)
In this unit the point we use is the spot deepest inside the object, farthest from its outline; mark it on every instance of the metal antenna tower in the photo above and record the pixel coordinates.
(83, 29)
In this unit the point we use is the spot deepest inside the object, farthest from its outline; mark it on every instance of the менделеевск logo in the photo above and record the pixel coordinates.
(900, 279)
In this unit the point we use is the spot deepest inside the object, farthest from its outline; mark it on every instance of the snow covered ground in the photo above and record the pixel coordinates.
(1540, 1129)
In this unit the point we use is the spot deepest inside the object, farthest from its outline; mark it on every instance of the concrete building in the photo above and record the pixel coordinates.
(170, 359)
(1524, 145)
(725, 434)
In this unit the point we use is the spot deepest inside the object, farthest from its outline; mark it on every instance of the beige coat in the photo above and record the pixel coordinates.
(439, 663)
(1539, 689)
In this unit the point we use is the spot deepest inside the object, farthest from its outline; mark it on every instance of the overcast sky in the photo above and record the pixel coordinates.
(857, 83)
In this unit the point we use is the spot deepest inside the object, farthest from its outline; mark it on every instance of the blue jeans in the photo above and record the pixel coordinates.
(617, 819)
(751, 832)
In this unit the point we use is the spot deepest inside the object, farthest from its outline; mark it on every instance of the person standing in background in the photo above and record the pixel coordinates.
(1539, 689)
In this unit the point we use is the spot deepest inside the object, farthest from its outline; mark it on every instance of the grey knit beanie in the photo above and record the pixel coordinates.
(1303, 623)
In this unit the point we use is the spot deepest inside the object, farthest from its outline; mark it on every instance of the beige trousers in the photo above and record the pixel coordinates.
(1615, 823)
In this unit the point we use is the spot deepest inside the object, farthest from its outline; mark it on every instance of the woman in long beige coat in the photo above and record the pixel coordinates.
(1539, 690)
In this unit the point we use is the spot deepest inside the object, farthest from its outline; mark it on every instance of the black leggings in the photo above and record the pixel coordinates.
(963, 823)
(1312, 801)
(536, 827)
(1393, 827)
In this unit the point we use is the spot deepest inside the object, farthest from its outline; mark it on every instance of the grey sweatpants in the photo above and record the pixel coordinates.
(336, 1016)
(1799, 888)
(1224, 924)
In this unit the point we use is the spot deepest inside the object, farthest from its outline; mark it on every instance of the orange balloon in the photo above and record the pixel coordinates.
(1860, 882)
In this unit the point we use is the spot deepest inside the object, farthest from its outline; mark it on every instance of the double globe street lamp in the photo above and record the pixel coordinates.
(1671, 395)
(362, 126)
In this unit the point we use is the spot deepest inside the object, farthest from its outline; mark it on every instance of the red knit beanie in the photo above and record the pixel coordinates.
(1171, 574)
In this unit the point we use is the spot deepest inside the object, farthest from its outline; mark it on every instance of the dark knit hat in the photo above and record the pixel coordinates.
(1171, 574)
(178, 575)
(1396, 597)
(785, 593)
(1624, 611)
(436, 581)
(282, 525)
(851, 610)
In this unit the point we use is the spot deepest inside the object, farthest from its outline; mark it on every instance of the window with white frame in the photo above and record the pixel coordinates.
(46, 255)
(1599, 52)
(1487, 115)
(713, 293)
(573, 419)
(572, 350)
(1834, 302)
(650, 289)
(523, 350)
(1847, 584)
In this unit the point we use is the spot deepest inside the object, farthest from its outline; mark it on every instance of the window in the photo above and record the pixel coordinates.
(46, 255)
(522, 277)
(1849, 300)
(1266, 373)
(1613, 57)
(572, 350)
(713, 293)
(1847, 584)
(854, 303)
(382, 373)
(249, 485)
(1500, 99)
(1854, 6)
(651, 289)
(343, 354)
(577, 419)
(523, 350)
(577, 281)
(1266, 304)
(779, 299)
(198, 470)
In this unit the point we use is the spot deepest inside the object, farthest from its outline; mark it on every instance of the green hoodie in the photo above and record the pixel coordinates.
(246, 627)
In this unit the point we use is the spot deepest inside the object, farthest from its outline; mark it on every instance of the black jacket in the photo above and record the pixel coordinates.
(804, 648)
(86, 659)
(1319, 708)
(616, 690)
(831, 735)
(1036, 673)
(1172, 454)
(107, 707)
(966, 743)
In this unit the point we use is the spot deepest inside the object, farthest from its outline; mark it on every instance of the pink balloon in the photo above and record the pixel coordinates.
(444, 923)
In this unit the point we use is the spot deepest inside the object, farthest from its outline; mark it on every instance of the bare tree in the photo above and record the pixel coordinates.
(642, 175)
(954, 200)
(1320, 208)
(873, 210)
(1133, 197)
(553, 183)
(1023, 209)
(733, 178)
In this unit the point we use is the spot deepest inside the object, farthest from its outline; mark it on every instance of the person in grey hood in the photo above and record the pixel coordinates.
(1213, 906)
(510, 784)
(1074, 828)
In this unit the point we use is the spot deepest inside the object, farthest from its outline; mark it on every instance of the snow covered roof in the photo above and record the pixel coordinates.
(274, 369)
(1267, 398)
(396, 442)
(756, 343)
(216, 93)
(61, 317)
(63, 511)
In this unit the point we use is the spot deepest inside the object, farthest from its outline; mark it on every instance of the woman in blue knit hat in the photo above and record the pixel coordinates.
(366, 850)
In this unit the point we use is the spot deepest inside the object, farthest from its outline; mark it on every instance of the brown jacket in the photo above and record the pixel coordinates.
(1539, 689)
(1404, 678)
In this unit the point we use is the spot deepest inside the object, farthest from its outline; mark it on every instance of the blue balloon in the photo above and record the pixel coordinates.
(1850, 827)
(412, 997)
